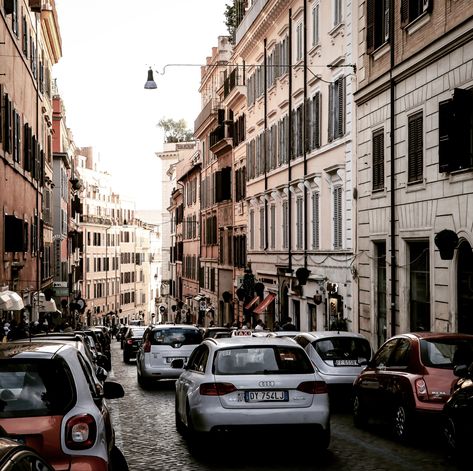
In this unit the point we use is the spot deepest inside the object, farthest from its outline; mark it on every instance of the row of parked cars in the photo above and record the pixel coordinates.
(53, 401)
(413, 379)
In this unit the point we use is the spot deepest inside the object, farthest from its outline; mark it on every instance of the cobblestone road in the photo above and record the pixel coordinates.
(144, 424)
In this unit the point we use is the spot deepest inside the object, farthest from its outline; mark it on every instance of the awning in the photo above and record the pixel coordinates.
(252, 302)
(11, 301)
(265, 303)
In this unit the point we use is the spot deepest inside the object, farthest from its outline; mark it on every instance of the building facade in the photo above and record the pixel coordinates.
(414, 167)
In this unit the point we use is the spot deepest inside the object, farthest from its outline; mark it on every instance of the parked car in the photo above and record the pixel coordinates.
(17, 457)
(339, 358)
(161, 345)
(457, 424)
(408, 381)
(133, 340)
(51, 402)
(120, 334)
(283, 333)
(212, 331)
(260, 384)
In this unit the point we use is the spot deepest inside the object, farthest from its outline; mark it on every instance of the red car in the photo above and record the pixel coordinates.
(409, 378)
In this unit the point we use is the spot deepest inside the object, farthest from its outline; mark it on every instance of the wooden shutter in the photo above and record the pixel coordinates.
(337, 217)
(370, 26)
(331, 89)
(447, 145)
(341, 92)
(315, 221)
(463, 127)
(415, 148)
(404, 12)
(378, 160)
(7, 119)
(316, 107)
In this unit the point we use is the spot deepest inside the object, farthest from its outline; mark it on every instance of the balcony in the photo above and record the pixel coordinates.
(235, 78)
(221, 138)
(249, 18)
(208, 110)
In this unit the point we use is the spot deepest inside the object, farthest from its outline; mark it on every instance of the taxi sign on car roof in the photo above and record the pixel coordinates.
(242, 333)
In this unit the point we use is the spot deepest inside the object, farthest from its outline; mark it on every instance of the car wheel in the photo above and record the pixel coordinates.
(359, 419)
(402, 423)
(117, 460)
(143, 382)
(126, 358)
(179, 423)
(451, 437)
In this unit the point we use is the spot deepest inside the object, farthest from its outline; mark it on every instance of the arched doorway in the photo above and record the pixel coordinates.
(465, 288)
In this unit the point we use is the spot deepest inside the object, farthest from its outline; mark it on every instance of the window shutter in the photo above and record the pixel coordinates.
(7, 117)
(378, 160)
(370, 26)
(447, 145)
(463, 109)
(331, 88)
(341, 89)
(337, 218)
(285, 239)
(9, 6)
(315, 221)
(415, 148)
(404, 12)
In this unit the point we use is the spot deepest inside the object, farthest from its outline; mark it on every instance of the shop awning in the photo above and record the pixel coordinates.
(252, 302)
(264, 304)
(11, 301)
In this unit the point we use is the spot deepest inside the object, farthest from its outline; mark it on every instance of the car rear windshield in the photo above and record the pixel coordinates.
(35, 388)
(446, 353)
(343, 348)
(137, 332)
(176, 335)
(262, 360)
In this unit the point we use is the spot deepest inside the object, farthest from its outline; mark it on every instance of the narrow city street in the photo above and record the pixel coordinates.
(145, 432)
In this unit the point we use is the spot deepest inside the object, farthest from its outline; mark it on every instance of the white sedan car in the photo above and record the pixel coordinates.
(252, 384)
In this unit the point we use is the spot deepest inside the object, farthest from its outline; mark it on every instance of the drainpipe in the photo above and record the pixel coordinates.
(265, 153)
(304, 134)
(38, 202)
(392, 86)
(289, 140)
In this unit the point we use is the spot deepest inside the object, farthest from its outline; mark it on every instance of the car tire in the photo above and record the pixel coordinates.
(126, 358)
(453, 445)
(143, 382)
(180, 427)
(117, 460)
(402, 423)
(359, 418)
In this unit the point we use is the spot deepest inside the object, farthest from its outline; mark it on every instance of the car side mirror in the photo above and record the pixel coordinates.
(461, 371)
(177, 363)
(112, 390)
(101, 373)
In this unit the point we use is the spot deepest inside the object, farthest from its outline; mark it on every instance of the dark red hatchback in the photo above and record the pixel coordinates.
(410, 377)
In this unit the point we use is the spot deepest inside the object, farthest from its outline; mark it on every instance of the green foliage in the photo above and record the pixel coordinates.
(230, 19)
(175, 131)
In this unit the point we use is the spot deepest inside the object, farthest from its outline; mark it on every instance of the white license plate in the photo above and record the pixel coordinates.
(266, 396)
(171, 359)
(345, 362)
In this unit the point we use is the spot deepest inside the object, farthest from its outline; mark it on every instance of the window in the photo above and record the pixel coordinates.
(336, 125)
(378, 160)
(315, 125)
(377, 28)
(299, 222)
(285, 225)
(415, 148)
(381, 292)
(315, 24)
(456, 132)
(272, 211)
(337, 217)
(252, 229)
(315, 221)
(412, 9)
(419, 292)
(337, 12)
(16, 137)
(299, 42)
(261, 228)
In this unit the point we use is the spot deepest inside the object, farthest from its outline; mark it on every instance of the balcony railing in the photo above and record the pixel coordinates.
(209, 109)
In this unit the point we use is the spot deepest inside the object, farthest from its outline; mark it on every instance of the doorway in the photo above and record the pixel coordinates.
(465, 288)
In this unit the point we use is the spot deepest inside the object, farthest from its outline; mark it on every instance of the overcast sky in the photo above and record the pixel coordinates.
(107, 48)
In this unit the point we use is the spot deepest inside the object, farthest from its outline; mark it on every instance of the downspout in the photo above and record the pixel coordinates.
(265, 150)
(392, 86)
(38, 207)
(304, 134)
(289, 141)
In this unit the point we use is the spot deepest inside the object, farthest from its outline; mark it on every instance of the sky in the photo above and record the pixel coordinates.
(107, 48)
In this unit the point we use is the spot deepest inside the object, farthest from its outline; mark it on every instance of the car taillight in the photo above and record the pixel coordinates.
(421, 389)
(81, 432)
(313, 387)
(147, 346)
(216, 389)
(129, 342)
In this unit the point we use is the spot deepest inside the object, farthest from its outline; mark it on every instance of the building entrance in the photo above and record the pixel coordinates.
(465, 288)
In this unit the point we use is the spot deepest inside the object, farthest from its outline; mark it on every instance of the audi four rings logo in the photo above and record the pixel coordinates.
(266, 384)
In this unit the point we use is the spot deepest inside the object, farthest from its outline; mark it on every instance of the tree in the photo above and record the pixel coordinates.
(175, 131)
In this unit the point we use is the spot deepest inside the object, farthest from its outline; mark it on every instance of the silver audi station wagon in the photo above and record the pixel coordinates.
(252, 384)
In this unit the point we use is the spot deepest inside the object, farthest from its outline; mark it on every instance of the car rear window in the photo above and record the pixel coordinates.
(137, 332)
(35, 388)
(343, 348)
(176, 335)
(261, 360)
(446, 353)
